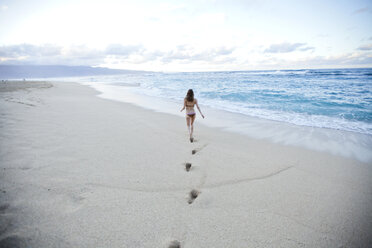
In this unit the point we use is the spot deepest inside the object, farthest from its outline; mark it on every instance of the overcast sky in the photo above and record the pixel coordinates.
(189, 35)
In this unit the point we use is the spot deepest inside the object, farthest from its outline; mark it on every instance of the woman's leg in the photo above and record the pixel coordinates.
(192, 125)
(188, 123)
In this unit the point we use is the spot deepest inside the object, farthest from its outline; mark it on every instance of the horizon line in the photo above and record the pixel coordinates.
(252, 70)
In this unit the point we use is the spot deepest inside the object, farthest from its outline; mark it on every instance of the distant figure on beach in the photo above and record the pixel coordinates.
(189, 103)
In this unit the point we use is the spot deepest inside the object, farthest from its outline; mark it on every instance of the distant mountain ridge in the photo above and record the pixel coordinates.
(45, 71)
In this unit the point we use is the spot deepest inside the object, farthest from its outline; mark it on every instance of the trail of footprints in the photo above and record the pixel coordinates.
(193, 194)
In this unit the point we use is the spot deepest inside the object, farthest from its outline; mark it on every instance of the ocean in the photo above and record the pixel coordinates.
(339, 99)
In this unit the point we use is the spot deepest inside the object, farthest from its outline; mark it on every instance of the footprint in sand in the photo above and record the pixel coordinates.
(3, 208)
(174, 244)
(193, 195)
(198, 149)
(187, 166)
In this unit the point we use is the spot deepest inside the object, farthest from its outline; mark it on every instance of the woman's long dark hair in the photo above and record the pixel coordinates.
(190, 95)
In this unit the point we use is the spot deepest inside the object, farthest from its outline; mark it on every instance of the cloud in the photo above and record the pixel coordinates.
(322, 35)
(349, 59)
(186, 57)
(307, 48)
(365, 47)
(74, 52)
(180, 54)
(355, 59)
(114, 53)
(118, 49)
(29, 50)
(286, 47)
(50, 54)
(4, 7)
(361, 10)
(190, 54)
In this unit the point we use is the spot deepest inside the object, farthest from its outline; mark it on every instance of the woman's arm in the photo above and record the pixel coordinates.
(197, 105)
(184, 105)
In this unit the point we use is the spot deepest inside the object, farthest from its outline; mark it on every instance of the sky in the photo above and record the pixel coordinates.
(191, 35)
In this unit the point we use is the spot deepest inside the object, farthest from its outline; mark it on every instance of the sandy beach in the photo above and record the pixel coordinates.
(81, 171)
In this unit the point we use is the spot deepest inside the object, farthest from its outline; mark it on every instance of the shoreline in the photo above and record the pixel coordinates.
(347, 144)
(81, 171)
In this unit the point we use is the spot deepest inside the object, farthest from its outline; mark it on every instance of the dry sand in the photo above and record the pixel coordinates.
(81, 171)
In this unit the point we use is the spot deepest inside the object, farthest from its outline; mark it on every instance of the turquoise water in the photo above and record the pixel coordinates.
(338, 99)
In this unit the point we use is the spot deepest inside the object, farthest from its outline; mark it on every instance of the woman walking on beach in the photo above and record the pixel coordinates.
(189, 103)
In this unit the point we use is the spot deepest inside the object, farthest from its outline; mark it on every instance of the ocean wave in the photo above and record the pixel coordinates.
(301, 119)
